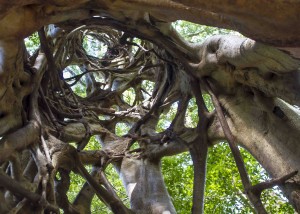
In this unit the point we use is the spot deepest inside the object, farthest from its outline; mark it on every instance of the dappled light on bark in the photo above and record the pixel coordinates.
(117, 74)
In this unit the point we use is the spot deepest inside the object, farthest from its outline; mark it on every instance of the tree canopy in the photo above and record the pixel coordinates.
(112, 105)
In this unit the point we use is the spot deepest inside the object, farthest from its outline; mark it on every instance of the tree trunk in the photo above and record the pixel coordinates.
(145, 187)
(270, 132)
(14, 85)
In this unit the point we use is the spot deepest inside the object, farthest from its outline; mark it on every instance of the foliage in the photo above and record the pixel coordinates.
(32, 42)
(198, 33)
(223, 186)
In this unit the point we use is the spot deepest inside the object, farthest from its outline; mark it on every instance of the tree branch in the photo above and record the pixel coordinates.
(258, 188)
(198, 151)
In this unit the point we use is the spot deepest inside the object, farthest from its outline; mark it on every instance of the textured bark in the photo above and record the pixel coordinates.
(145, 186)
(256, 88)
(15, 84)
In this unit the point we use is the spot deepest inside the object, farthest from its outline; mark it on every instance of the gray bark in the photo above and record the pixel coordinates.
(145, 187)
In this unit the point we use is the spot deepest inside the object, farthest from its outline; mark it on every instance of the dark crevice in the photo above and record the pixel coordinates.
(269, 76)
(278, 112)
(212, 47)
(2, 115)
